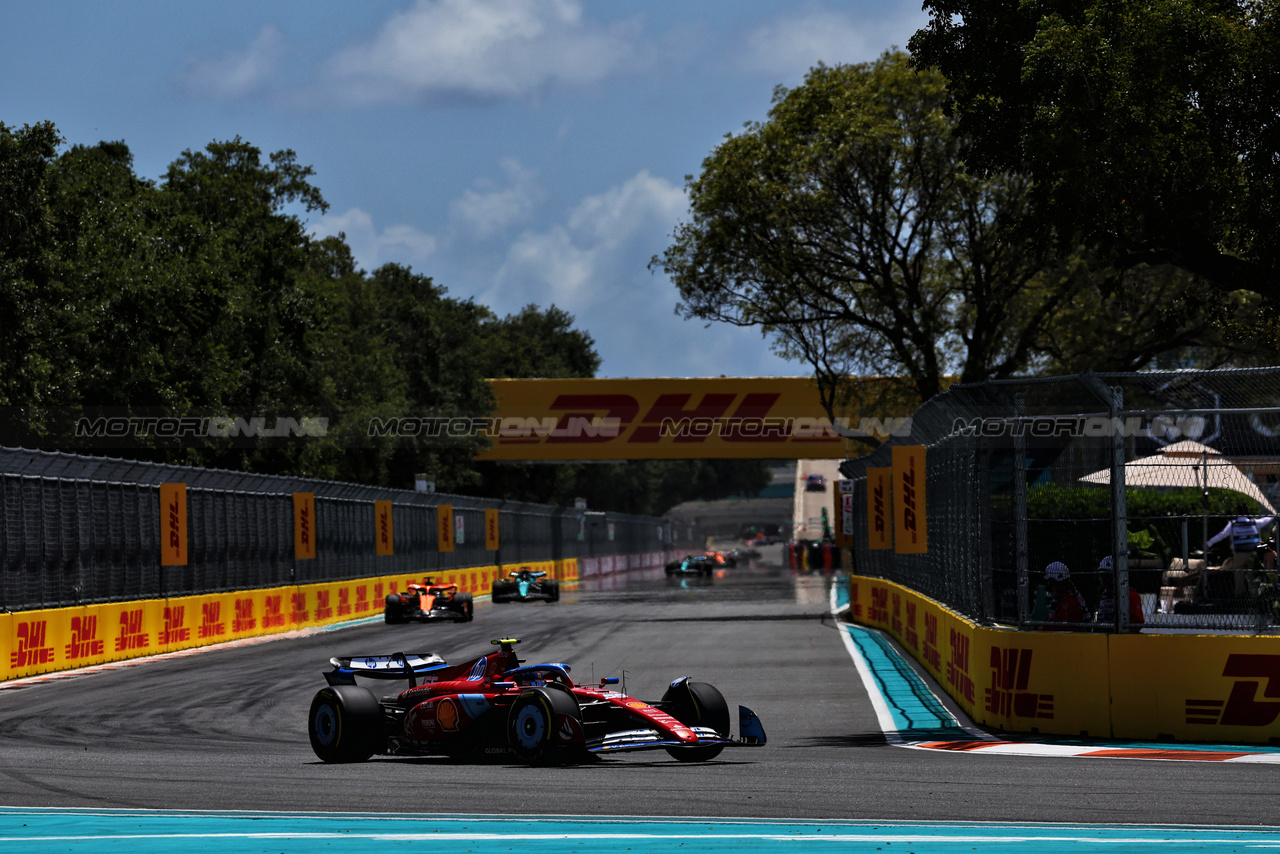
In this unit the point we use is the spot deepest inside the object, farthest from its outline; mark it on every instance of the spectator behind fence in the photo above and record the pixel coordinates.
(1066, 605)
(1107, 604)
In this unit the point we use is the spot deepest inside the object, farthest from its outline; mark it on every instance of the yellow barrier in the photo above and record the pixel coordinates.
(35, 642)
(1223, 689)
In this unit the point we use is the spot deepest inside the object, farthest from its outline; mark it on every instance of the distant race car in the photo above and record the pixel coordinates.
(525, 585)
(724, 559)
(496, 705)
(693, 564)
(815, 483)
(428, 601)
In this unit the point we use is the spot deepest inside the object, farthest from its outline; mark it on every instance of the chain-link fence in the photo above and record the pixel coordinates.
(1049, 500)
(80, 530)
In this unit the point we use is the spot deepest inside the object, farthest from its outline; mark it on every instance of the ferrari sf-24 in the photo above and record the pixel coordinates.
(496, 705)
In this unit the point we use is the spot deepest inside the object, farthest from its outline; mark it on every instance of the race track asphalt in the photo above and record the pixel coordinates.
(225, 729)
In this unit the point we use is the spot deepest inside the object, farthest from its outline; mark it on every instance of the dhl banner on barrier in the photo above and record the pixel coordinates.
(910, 528)
(1220, 689)
(173, 515)
(35, 642)
(879, 508)
(444, 527)
(709, 418)
(304, 525)
(491, 529)
(384, 531)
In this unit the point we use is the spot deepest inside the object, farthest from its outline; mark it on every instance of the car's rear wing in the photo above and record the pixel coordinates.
(398, 665)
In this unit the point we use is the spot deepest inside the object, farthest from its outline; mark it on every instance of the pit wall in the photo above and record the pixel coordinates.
(35, 642)
(1219, 689)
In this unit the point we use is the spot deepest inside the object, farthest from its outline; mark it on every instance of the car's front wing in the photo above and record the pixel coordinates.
(751, 734)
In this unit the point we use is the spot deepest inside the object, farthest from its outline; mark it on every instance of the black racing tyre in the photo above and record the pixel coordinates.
(394, 610)
(697, 704)
(553, 591)
(500, 588)
(345, 724)
(544, 727)
(462, 603)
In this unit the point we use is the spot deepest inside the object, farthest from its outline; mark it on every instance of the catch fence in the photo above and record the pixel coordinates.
(81, 530)
(1129, 481)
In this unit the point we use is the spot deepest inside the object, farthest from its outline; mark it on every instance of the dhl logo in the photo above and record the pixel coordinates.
(298, 612)
(211, 624)
(384, 528)
(362, 598)
(721, 417)
(175, 628)
(244, 619)
(931, 653)
(958, 667)
(909, 500)
(1242, 708)
(595, 418)
(273, 611)
(304, 525)
(131, 636)
(879, 612)
(323, 610)
(344, 602)
(1008, 695)
(878, 508)
(175, 525)
(912, 637)
(30, 649)
(84, 639)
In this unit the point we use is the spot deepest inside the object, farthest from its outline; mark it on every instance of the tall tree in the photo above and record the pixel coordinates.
(847, 226)
(1151, 130)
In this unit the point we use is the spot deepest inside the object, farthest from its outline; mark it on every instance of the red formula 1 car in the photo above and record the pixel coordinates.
(496, 705)
(428, 601)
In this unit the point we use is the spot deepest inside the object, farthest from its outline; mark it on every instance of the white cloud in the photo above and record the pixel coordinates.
(575, 263)
(235, 74)
(372, 248)
(594, 265)
(481, 49)
(794, 45)
(490, 209)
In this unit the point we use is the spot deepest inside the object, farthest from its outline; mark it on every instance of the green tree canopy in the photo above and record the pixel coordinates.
(1151, 130)
(847, 226)
(204, 293)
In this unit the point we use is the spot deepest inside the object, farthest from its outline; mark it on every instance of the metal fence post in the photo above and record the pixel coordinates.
(1119, 514)
(1020, 510)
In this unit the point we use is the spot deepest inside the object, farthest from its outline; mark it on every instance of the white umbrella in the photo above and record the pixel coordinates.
(1186, 464)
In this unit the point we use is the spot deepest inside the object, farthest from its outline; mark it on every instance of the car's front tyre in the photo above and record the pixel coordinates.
(697, 704)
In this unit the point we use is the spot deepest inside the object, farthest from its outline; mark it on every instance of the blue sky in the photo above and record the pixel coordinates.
(517, 151)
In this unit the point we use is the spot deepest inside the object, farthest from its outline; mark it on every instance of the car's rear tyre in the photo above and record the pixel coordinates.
(544, 727)
(345, 724)
(553, 591)
(697, 704)
(393, 612)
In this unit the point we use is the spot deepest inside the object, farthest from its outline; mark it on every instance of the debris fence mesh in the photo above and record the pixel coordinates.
(78, 530)
(1163, 483)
